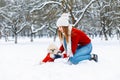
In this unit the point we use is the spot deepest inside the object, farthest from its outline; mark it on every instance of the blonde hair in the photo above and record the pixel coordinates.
(66, 34)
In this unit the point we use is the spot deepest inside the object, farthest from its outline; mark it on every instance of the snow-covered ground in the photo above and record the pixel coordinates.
(21, 62)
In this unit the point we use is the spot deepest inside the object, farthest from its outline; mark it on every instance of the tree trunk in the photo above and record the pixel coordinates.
(15, 38)
(104, 33)
(31, 37)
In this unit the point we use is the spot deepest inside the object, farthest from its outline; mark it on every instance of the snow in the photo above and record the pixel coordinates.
(21, 62)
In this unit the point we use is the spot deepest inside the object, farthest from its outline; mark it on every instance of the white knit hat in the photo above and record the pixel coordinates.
(63, 20)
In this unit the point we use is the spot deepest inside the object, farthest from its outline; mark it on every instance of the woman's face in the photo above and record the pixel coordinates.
(60, 29)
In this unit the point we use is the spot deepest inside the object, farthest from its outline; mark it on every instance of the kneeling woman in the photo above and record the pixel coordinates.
(76, 44)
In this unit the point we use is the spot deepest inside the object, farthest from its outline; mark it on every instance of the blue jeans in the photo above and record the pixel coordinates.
(82, 53)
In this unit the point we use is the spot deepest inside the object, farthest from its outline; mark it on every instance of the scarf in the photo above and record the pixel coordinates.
(67, 46)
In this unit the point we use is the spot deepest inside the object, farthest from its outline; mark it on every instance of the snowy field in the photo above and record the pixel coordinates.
(21, 62)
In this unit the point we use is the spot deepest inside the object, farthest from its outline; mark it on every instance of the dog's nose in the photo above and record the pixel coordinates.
(52, 50)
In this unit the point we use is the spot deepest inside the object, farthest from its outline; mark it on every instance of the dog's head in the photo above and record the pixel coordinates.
(52, 49)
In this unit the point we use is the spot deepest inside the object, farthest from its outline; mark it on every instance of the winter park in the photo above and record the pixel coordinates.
(46, 39)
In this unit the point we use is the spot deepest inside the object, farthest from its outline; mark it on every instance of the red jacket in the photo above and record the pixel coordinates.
(49, 59)
(78, 37)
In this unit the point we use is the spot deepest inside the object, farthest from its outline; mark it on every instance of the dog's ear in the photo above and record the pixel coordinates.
(52, 46)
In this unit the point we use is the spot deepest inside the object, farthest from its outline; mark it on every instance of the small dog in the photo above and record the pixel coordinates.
(52, 49)
(52, 54)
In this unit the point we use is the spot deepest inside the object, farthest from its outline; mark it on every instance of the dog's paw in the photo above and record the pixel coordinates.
(41, 63)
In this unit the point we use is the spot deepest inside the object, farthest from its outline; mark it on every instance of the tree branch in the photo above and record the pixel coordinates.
(44, 4)
(83, 12)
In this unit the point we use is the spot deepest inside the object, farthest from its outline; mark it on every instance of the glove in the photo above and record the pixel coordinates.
(58, 55)
(55, 56)
(59, 52)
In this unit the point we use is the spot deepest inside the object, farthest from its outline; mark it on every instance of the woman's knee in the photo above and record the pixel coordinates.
(84, 50)
(73, 60)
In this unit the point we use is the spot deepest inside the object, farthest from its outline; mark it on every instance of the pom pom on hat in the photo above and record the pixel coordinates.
(65, 15)
(63, 20)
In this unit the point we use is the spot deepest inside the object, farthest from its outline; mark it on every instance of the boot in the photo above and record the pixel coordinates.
(94, 57)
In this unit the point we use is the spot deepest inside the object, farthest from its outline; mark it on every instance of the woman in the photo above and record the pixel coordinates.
(76, 44)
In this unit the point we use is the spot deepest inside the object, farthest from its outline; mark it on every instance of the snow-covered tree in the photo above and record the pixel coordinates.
(109, 16)
(34, 17)
(14, 18)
